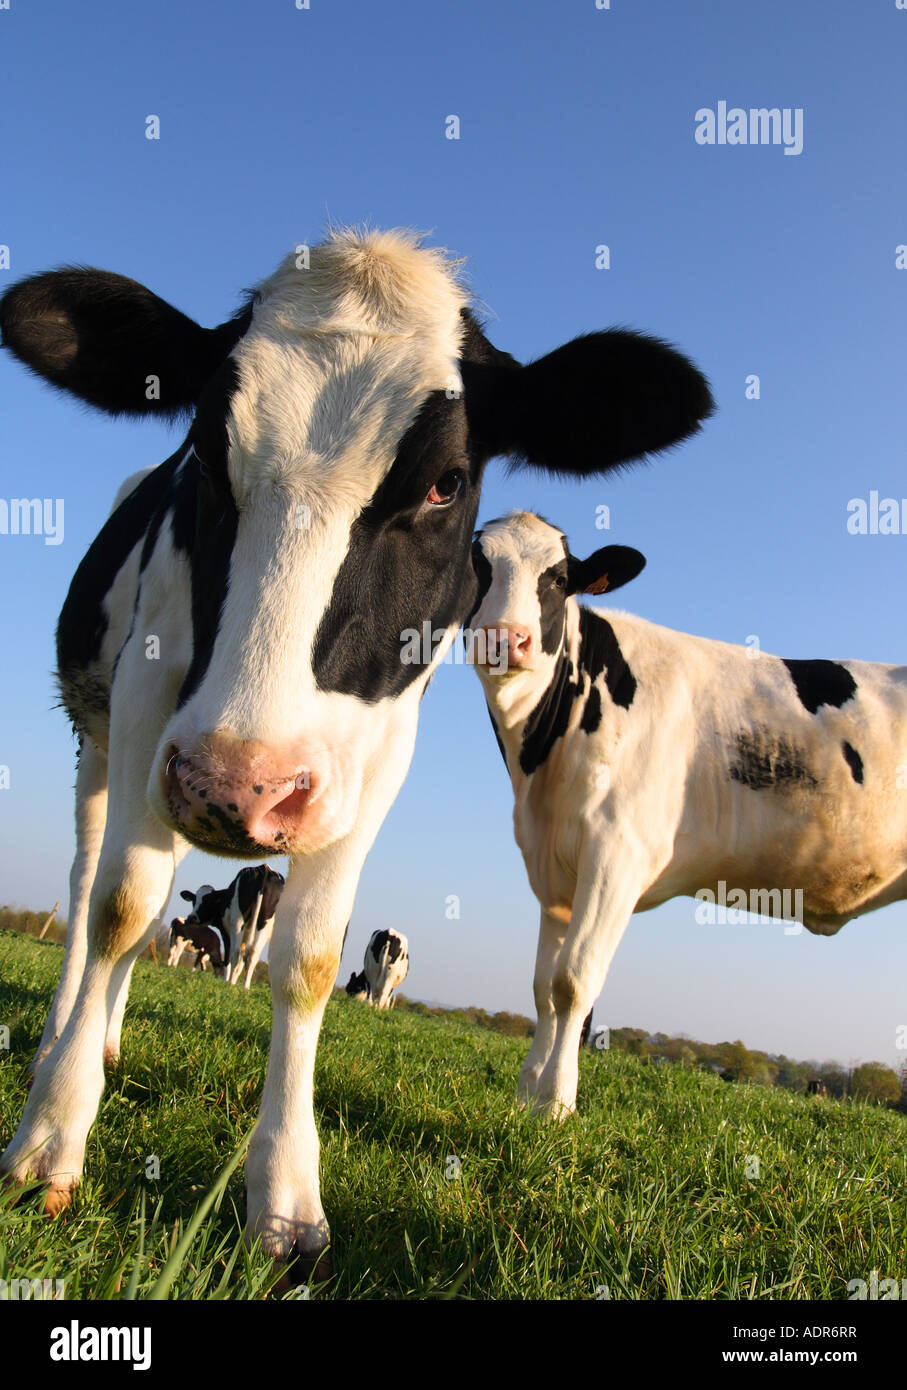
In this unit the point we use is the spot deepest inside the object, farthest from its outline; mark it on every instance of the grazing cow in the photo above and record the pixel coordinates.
(357, 986)
(816, 1088)
(179, 940)
(244, 910)
(386, 966)
(210, 943)
(648, 764)
(320, 509)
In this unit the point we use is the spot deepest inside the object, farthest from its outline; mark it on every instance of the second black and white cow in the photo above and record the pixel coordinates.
(648, 764)
(320, 507)
(386, 966)
(244, 911)
(209, 942)
(357, 986)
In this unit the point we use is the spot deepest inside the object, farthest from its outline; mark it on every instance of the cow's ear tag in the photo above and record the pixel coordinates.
(598, 586)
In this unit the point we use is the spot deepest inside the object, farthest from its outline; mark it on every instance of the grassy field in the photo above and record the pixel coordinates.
(645, 1194)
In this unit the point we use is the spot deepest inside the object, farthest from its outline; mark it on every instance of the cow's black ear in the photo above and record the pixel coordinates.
(189, 897)
(599, 401)
(606, 569)
(111, 342)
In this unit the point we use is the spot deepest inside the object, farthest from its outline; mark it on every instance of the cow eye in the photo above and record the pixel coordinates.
(560, 581)
(446, 488)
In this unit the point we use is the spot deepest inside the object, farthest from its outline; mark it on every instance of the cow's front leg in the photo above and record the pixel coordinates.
(607, 891)
(283, 1195)
(551, 938)
(133, 881)
(91, 817)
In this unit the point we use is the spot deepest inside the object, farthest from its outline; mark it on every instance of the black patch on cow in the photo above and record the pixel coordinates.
(405, 562)
(599, 654)
(358, 984)
(483, 574)
(763, 760)
(854, 761)
(821, 683)
(83, 623)
(552, 596)
(205, 521)
(548, 721)
(387, 939)
(600, 651)
(592, 713)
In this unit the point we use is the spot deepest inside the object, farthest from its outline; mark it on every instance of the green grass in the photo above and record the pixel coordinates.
(645, 1191)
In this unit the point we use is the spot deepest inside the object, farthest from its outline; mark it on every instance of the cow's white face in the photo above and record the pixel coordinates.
(526, 573)
(319, 513)
(322, 420)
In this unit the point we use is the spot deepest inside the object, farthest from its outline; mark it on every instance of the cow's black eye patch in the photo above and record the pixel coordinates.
(551, 592)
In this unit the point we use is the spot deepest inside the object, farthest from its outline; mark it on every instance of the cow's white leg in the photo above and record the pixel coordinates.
(551, 938)
(606, 894)
(283, 1196)
(91, 816)
(133, 881)
(176, 951)
(254, 955)
(115, 1022)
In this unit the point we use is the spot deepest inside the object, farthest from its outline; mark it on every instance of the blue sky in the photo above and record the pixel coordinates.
(577, 129)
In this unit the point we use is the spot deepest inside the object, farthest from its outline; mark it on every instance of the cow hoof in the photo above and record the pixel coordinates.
(15, 1187)
(305, 1269)
(57, 1200)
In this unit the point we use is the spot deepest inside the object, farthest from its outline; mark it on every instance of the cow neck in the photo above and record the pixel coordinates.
(549, 719)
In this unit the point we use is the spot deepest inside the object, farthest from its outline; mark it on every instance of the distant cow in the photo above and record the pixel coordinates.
(648, 764)
(357, 986)
(386, 966)
(209, 942)
(816, 1088)
(245, 911)
(587, 1029)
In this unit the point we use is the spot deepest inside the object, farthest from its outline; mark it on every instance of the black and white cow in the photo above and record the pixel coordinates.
(244, 911)
(816, 1088)
(321, 506)
(357, 986)
(177, 942)
(386, 966)
(210, 942)
(647, 764)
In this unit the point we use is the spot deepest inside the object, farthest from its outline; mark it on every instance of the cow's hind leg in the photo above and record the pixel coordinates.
(254, 953)
(133, 881)
(551, 937)
(91, 816)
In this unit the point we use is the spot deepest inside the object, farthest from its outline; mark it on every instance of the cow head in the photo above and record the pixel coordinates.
(197, 915)
(526, 573)
(324, 504)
